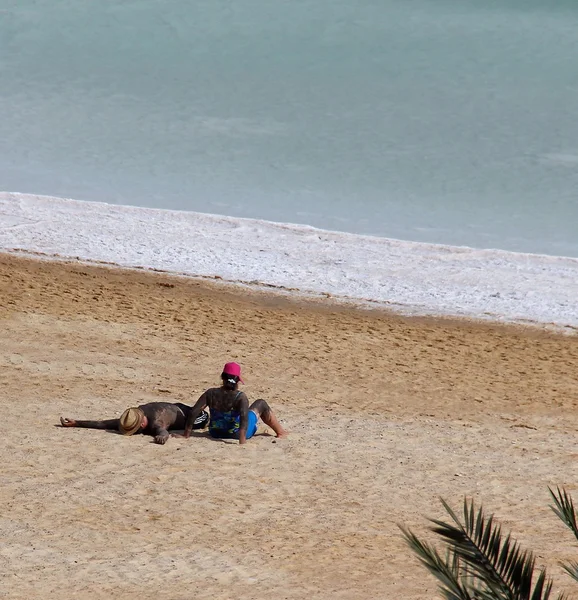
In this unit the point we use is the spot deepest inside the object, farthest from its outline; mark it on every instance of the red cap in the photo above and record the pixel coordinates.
(233, 368)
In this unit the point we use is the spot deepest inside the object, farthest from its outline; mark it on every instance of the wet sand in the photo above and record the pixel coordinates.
(386, 414)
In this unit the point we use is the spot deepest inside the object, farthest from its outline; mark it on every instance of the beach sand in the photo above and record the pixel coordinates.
(386, 414)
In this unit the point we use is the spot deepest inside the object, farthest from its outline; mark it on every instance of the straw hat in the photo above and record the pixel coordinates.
(130, 420)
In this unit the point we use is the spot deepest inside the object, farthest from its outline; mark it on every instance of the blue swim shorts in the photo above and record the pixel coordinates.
(252, 424)
(252, 420)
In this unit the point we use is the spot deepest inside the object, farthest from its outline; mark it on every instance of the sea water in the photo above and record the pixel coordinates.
(445, 121)
(324, 133)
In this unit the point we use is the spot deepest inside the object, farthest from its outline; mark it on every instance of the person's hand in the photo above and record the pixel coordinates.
(162, 438)
(67, 422)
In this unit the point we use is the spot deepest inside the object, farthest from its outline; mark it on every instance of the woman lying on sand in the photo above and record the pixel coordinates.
(231, 415)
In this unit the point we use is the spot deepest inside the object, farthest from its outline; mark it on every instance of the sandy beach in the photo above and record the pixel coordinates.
(386, 414)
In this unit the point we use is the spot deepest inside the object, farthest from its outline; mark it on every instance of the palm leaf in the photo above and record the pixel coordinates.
(502, 569)
(571, 569)
(447, 571)
(564, 509)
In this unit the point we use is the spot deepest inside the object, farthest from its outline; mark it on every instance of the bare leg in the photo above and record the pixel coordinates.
(263, 410)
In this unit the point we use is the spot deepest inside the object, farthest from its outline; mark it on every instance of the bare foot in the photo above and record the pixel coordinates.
(67, 422)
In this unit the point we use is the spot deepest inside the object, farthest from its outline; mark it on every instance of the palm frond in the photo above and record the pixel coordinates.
(571, 569)
(447, 571)
(497, 561)
(564, 509)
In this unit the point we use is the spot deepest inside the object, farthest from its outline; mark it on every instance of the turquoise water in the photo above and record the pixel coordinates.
(440, 121)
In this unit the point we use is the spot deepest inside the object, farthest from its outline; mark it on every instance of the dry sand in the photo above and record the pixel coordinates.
(386, 415)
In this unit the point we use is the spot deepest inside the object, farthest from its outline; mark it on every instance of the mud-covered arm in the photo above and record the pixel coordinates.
(108, 424)
(243, 408)
(199, 406)
(159, 432)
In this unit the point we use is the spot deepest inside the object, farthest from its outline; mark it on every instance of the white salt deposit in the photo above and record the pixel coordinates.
(411, 278)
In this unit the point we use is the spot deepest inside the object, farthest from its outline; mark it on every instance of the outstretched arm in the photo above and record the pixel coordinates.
(108, 424)
(200, 405)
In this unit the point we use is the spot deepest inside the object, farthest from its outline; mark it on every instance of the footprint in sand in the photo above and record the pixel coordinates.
(35, 366)
(15, 359)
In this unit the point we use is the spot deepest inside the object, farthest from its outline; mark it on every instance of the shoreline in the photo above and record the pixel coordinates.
(413, 278)
(279, 295)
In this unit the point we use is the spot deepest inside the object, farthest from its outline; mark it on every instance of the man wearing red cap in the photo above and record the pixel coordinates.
(230, 413)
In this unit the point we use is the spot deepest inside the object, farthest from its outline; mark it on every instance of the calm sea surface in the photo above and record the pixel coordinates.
(441, 121)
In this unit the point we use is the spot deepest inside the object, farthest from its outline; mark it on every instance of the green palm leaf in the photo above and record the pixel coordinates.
(453, 584)
(564, 509)
(498, 569)
(571, 569)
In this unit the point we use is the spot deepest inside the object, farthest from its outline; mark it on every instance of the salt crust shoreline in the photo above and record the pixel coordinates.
(404, 277)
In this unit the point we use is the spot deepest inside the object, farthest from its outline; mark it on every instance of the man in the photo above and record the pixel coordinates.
(154, 418)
